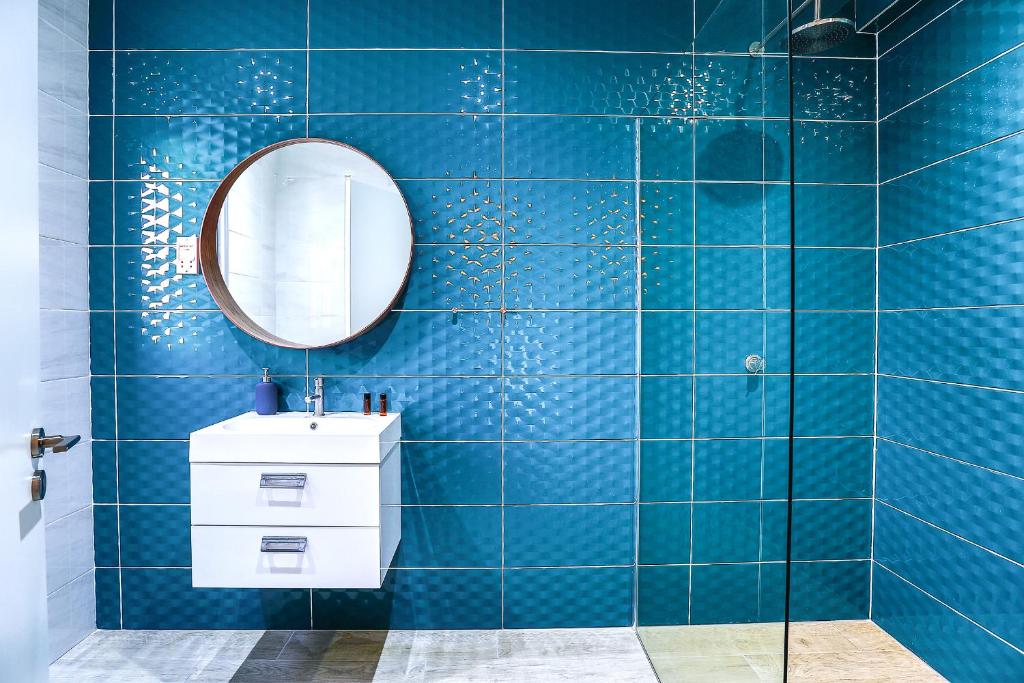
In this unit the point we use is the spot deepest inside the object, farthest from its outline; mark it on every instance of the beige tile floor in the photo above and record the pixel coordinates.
(820, 651)
(826, 651)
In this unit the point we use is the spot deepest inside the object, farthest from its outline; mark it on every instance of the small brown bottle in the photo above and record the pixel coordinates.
(367, 408)
(383, 404)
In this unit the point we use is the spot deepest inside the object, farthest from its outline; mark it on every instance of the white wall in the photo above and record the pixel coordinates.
(64, 316)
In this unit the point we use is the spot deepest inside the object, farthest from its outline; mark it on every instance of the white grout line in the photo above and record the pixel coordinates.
(920, 28)
(874, 405)
(953, 232)
(638, 360)
(503, 316)
(994, 141)
(962, 385)
(959, 461)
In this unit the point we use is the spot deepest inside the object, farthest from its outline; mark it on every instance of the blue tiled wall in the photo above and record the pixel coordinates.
(639, 256)
(948, 572)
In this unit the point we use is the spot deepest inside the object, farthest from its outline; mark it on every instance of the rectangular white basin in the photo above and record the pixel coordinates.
(340, 438)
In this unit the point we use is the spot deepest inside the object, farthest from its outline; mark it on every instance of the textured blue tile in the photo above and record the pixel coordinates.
(414, 599)
(406, 24)
(453, 276)
(826, 215)
(101, 83)
(730, 86)
(728, 469)
(572, 147)
(165, 599)
(725, 339)
(666, 407)
(831, 152)
(157, 212)
(101, 24)
(665, 471)
(825, 342)
(822, 468)
(195, 343)
(667, 213)
(570, 277)
(826, 279)
(909, 22)
(450, 537)
(211, 24)
(664, 533)
(447, 146)
(153, 472)
(730, 278)
(451, 473)
(826, 591)
(101, 343)
(172, 407)
(741, 150)
(666, 149)
(155, 536)
(666, 343)
(976, 583)
(210, 83)
(574, 343)
(101, 212)
(731, 28)
(973, 503)
(610, 25)
(663, 596)
(826, 405)
(108, 591)
(831, 529)
(823, 89)
(543, 408)
(454, 211)
(104, 472)
(103, 415)
(207, 147)
(412, 343)
(569, 535)
(980, 426)
(567, 472)
(729, 406)
(568, 598)
(105, 535)
(148, 280)
(428, 82)
(565, 212)
(598, 83)
(726, 594)
(735, 213)
(944, 197)
(726, 532)
(950, 644)
(974, 268)
(666, 277)
(101, 146)
(982, 346)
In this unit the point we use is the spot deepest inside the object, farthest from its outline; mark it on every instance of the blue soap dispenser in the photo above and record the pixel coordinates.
(266, 395)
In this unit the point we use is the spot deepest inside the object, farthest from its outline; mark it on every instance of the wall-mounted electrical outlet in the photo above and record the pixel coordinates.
(186, 259)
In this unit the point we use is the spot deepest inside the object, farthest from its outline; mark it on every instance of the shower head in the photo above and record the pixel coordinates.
(820, 35)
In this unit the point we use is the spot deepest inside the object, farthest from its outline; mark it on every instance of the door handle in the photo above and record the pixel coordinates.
(40, 442)
(283, 544)
(283, 481)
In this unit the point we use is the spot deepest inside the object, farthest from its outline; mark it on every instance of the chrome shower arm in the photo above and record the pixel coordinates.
(757, 47)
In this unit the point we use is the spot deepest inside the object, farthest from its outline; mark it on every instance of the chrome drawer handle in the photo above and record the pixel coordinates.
(282, 481)
(283, 544)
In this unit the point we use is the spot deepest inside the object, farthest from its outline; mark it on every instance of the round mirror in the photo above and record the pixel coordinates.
(306, 244)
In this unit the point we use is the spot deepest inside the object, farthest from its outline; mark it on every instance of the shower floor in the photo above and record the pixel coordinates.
(822, 651)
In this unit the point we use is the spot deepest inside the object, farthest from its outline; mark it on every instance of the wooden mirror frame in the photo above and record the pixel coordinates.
(210, 265)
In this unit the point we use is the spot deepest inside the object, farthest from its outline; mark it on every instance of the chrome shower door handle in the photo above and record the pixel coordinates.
(39, 442)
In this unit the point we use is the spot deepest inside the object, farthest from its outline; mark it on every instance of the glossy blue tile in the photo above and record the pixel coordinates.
(211, 24)
(826, 405)
(573, 277)
(577, 343)
(666, 343)
(666, 149)
(450, 537)
(104, 424)
(725, 339)
(598, 83)
(726, 532)
(148, 280)
(825, 341)
(568, 598)
(727, 28)
(428, 82)
(104, 472)
(826, 590)
(726, 594)
(405, 24)
(826, 215)
(664, 533)
(153, 472)
(210, 83)
(728, 469)
(105, 535)
(101, 83)
(663, 596)
(667, 407)
(155, 536)
(665, 471)
(545, 408)
(826, 279)
(729, 406)
(831, 529)
(101, 343)
(413, 343)
(101, 212)
(979, 426)
(454, 211)
(184, 147)
(822, 468)
(108, 593)
(735, 213)
(826, 89)
(101, 147)
(666, 278)
(453, 277)
(172, 407)
(157, 211)
(570, 472)
(569, 535)
(451, 473)
(165, 599)
(741, 150)
(414, 599)
(612, 25)
(568, 212)
(730, 278)
(953, 646)
(570, 147)
(831, 152)
(730, 86)
(666, 215)
(101, 25)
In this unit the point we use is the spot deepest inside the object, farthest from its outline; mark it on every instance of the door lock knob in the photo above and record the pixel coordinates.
(38, 485)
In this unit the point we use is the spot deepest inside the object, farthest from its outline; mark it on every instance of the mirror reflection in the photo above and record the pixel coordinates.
(313, 244)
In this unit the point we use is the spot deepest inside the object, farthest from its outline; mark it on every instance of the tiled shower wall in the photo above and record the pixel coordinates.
(64, 318)
(949, 556)
(568, 365)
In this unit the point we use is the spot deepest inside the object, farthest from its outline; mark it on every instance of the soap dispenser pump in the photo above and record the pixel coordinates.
(266, 395)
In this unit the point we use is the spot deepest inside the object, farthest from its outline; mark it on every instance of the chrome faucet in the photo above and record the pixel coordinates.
(317, 399)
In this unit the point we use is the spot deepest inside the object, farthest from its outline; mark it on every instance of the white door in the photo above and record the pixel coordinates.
(23, 635)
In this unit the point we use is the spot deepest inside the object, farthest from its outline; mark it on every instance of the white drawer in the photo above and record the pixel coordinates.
(331, 495)
(231, 557)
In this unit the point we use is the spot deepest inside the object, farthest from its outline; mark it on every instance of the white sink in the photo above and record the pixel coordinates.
(297, 437)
